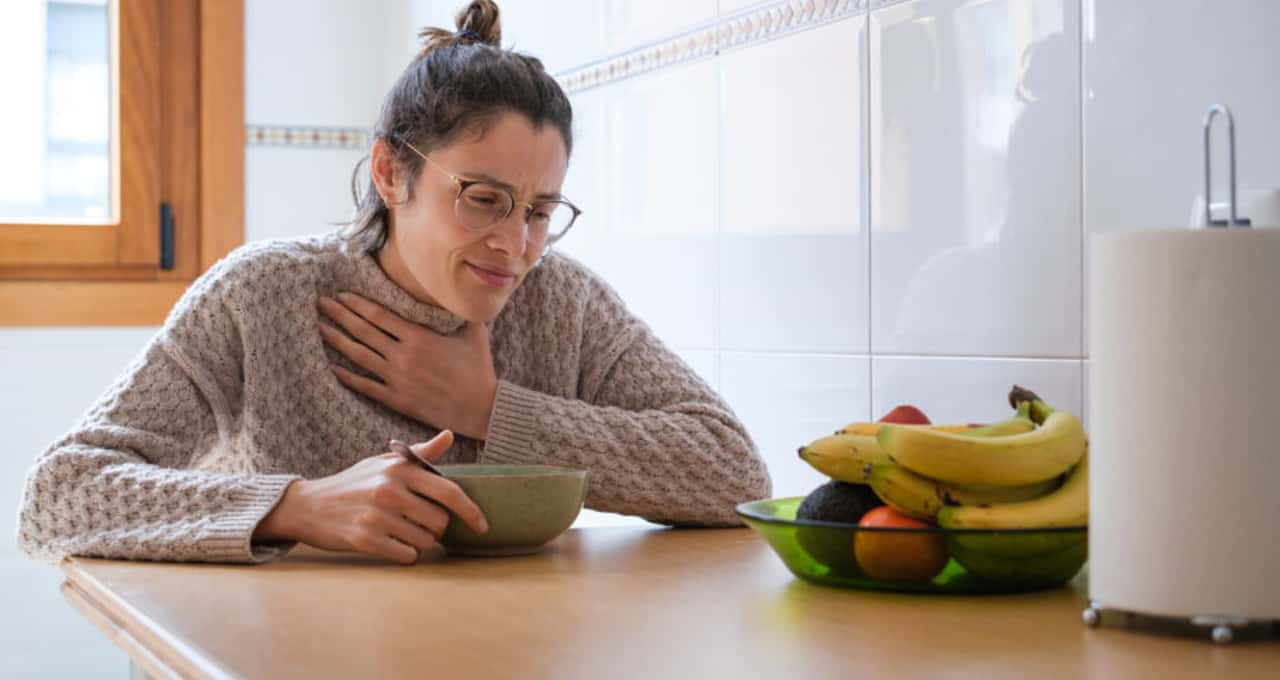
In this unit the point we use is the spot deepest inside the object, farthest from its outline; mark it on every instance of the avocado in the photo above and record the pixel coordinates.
(841, 502)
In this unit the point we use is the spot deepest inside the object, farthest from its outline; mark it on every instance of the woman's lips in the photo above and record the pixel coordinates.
(495, 279)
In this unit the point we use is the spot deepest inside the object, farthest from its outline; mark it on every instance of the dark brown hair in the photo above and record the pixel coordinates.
(458, 84)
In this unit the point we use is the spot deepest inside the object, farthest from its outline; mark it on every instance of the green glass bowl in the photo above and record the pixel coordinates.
(979, 560)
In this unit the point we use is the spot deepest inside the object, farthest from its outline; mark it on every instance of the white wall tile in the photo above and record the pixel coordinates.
(793, 258)
(1084, 410)
(788, 400)
(703, 362)
(1151, 73)
(585, 181)
(51, 377)
(563, 34)
(291, 191)
(631, 23)
(969, 390)
(728, 7)
(976, 240)
(320, 62)
(656, 236)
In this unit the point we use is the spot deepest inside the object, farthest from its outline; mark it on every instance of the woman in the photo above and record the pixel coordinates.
(255, 418)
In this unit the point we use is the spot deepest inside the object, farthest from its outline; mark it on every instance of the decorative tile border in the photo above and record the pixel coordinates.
(751, 26)
(309, 137)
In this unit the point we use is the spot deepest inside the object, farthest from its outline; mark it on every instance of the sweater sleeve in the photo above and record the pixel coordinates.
(658, 442)
(117, 486)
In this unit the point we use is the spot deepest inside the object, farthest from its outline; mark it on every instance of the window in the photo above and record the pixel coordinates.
(123, 172)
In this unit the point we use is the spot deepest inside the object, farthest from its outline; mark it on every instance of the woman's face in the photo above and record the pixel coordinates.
(432, 255)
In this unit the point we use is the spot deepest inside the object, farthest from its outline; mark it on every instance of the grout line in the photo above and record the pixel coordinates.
(898, 355)
(1084, 225)
(867, 188)
(1084, 240)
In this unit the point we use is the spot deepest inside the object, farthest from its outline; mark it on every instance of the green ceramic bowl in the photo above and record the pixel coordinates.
(526, 506)
(979, 560)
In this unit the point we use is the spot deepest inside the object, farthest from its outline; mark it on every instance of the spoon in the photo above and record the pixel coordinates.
(404, 450)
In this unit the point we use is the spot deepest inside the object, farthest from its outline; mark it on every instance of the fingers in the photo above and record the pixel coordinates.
(361, 354)
(383, 545)
(425, 514)
(358, 326)
(448, 494)
(377, 315)
(366, 386)
(435, 447)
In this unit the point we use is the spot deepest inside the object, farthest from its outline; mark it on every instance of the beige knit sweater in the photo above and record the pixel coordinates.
(196, 441)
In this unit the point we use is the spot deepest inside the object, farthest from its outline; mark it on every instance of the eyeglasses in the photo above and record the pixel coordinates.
(482, 205)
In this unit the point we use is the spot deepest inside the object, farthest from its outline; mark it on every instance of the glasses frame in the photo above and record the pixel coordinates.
(463, 183)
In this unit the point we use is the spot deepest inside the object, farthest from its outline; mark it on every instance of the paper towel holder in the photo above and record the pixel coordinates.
(1213, 112)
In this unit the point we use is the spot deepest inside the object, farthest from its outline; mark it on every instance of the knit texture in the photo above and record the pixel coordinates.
(233, 399)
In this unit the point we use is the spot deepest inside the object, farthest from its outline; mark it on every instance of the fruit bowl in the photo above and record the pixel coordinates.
(977, 561)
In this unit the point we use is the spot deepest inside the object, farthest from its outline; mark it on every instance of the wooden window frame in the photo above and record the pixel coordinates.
(181, 142)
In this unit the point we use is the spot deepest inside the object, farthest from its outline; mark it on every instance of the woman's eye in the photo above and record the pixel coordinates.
(484, 200)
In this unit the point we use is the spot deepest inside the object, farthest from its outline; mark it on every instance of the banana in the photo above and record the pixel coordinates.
(1008, 460)
(845, 455)
(922, 498)
(873, 429)
(1068, 506)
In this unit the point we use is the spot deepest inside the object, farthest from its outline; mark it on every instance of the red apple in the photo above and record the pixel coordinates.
(906, 415)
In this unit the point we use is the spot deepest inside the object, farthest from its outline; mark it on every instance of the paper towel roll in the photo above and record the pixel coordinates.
(1184, 418)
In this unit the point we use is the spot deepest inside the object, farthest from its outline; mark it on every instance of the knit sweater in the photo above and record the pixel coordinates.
(233, 399)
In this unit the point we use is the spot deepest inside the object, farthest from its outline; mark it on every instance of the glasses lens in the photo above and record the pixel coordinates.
(482, 205)
(550, 220)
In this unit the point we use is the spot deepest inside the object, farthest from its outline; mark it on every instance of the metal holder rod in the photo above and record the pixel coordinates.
(1231, 169)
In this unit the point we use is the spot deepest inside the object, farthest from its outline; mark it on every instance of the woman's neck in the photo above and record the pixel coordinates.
(389, 259)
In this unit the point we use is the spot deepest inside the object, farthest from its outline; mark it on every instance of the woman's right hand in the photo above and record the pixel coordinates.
(384, 505)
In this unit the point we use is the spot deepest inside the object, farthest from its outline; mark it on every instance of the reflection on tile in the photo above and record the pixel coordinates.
(562, 34)
(728, 7)
(705, 363)
(788, 400)
(966, 390)
(793, 251)
(1084, 410)
(584, 183)
(333, 68)
(657, 231)
(629, 24)
(975, 192)
(291, 192)
(1145, 96)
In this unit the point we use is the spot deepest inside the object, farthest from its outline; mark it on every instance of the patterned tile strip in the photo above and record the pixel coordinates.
(310, 137)
(753, 25)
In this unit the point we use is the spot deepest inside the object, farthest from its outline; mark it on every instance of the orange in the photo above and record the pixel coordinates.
(898, 556)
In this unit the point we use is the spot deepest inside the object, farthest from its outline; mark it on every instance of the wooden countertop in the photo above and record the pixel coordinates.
(605, 603)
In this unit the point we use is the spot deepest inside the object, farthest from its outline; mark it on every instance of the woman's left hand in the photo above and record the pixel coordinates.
(446, 381)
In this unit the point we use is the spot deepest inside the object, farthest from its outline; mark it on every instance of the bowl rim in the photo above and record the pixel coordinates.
(748, 510)
(469, 470)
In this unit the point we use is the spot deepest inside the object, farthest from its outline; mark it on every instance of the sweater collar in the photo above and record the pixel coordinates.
(369, 280)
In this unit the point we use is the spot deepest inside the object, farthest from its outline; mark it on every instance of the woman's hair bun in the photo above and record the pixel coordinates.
(481, 18)
(478, 22)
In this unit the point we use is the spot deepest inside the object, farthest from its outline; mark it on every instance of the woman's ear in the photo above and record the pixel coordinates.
(386, 173)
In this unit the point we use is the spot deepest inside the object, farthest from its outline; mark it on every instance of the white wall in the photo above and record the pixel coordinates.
(890, 208)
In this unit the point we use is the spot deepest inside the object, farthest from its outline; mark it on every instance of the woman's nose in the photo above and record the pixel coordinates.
(511, 235)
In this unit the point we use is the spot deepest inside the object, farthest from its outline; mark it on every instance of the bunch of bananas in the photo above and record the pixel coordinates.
(1027, 472)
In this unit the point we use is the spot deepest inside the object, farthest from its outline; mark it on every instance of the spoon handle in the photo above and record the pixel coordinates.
(404, 450)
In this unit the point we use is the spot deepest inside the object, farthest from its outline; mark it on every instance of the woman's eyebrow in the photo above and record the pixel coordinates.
(545, 196)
